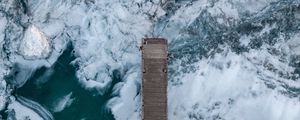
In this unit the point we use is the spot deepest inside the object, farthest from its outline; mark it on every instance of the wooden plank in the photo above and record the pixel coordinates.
(154, 55)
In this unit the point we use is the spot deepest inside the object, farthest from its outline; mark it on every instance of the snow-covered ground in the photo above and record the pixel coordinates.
(233, 59)
(22, 112)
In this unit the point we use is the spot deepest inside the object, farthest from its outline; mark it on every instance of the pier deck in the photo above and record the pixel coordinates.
(154, 58)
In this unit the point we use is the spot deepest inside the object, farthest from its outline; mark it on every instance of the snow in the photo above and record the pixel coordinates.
(3, 22)
(294, 44)
(53, 28)
(252, 6)
(245, 40)
(267, 107)
(21, 112)
(3, 95)
(229, 77)
(106, 36)
(3, 69)
(127, 106)
(108, 44)
(224, 8)
(34, 44)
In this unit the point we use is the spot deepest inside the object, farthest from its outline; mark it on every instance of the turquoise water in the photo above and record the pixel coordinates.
(46, 87)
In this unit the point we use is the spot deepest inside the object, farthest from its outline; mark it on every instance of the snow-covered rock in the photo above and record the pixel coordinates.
(35, 44)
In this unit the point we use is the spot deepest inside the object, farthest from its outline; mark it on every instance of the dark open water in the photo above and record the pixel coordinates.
(60, 82)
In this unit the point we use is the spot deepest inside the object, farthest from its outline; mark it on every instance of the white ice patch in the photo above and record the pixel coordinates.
(245, 40)
(3, 94)
(232, 86)
(252, 6)
(34, 44)
(52, 28)
(27, 67)
(224, 8)
(3, 22)
(22, 112)
(182, 18)
(62, 103)
(225, 11)
(3, 68)
(127, 106)
(106, 40)
(269, 106)
(294, 44)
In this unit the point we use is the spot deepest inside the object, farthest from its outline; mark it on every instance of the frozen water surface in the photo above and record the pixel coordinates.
(232, 59)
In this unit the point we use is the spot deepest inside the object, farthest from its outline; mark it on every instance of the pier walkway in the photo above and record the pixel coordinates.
(155, 60)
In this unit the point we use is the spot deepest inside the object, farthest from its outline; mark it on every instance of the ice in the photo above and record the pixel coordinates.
(224, 8)
(35, 44)
(3, 22)
(228, 85)
(22, 112)
(29, 104)
(108, 43)
(253, 83)
(182, 18)
(3, 94)
(62, 103)
(3, 69)
(128, 106)
(294, 44)
(106, 37)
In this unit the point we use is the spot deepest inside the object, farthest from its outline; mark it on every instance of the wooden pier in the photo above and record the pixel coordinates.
(155, 60)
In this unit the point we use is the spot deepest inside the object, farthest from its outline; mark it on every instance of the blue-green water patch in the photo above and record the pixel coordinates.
(58, 90)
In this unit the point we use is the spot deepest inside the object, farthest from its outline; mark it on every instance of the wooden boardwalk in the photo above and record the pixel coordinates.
(154, 55)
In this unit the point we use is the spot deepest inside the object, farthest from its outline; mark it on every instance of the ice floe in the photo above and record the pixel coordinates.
(22, 112)
(35, 44)
(62, 103)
